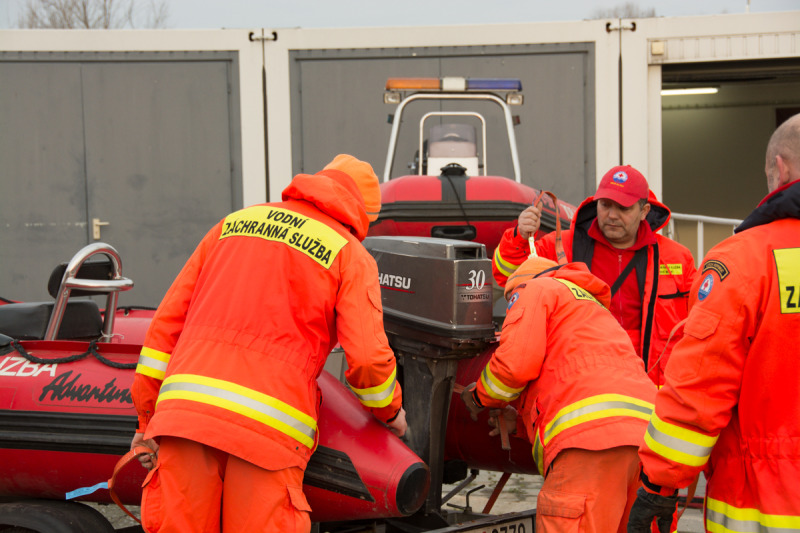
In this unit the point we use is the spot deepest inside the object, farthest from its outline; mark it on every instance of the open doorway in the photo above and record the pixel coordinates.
(713, 144)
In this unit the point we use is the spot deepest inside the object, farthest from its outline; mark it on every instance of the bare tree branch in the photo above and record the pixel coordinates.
(94, 14)
(628, 10)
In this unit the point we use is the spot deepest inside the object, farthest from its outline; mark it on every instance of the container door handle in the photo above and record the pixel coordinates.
(96, 223)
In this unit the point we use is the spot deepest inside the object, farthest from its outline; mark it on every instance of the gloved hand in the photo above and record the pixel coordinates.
(468, 397)
(648, 506)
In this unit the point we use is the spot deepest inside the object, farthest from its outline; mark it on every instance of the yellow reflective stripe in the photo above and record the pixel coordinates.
(304, 234)
(152, 363)
(496, 388)
(722, 517)
(241, 400)
(503, 266)
(678, 444)
(380, 395)
(538, 453)
(595, 408)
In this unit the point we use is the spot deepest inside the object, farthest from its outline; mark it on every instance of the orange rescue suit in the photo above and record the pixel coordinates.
(731, 402)
(570, 364)
(233, 353)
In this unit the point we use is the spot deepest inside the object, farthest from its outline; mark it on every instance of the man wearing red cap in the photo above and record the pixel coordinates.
(582, 394)
(226, 388)
(614, 233)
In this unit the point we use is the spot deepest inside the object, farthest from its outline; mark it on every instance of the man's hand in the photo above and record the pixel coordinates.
(529, 221)
(649, 506)
(509, 414)
(148, 461)
(468, 397)
(399, 424)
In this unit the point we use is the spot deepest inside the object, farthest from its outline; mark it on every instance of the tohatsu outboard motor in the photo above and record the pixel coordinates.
(438, 291)
(437, 306)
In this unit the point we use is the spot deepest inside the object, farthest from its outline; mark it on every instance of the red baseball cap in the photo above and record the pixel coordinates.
(624, 185)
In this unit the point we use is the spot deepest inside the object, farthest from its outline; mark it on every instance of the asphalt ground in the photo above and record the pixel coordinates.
(519, 494)
(520, 491)
(117, 516)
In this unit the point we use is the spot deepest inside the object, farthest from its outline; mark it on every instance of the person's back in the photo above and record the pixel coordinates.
(731, 403)
(736, 362)
(227, 374)
(583, 394)
(585, 360)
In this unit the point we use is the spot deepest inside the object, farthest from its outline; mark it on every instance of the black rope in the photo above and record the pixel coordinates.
(109, 362)
(71, 358)
(32, 358)
(458, 198)
(128, 308)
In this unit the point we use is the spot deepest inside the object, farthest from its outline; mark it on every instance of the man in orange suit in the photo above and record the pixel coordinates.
(582, 393)
(226, 389)
(731, 403)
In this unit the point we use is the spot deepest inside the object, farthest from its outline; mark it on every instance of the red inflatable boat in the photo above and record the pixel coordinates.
(66, 368)
(67, 413)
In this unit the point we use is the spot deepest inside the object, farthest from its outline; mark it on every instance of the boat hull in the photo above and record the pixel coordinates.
(63, 426)
(477, 208)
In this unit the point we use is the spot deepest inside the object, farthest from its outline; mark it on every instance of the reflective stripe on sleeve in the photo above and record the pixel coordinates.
(379, 396)
(678, 444)
(243, 401)
(503, 266)
(724, 518)
(596, 408)
(497, 389)
(538, 453)
(152, 363)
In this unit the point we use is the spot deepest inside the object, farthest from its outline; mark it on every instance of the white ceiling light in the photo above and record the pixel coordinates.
(688, 91)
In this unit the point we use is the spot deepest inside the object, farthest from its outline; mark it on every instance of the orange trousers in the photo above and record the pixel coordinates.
(589, 491)
(199, 489)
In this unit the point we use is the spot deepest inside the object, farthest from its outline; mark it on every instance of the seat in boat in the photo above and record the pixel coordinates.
(452, 143)
(82, 318)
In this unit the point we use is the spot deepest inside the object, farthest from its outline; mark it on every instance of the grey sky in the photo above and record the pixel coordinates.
(352, 13)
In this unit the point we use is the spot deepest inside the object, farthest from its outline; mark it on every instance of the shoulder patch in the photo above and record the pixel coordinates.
(716, 266)
(705, 287)
(512, 300)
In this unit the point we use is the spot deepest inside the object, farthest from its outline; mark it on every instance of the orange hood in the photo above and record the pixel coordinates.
(334, 193)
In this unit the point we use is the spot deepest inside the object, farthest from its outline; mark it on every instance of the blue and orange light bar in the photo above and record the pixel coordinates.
(455, 84)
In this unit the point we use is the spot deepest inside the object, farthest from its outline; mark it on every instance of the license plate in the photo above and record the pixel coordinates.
(524, 525)
(521, 522)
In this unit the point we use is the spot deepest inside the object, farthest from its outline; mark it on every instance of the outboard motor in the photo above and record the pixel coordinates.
(437, 305)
